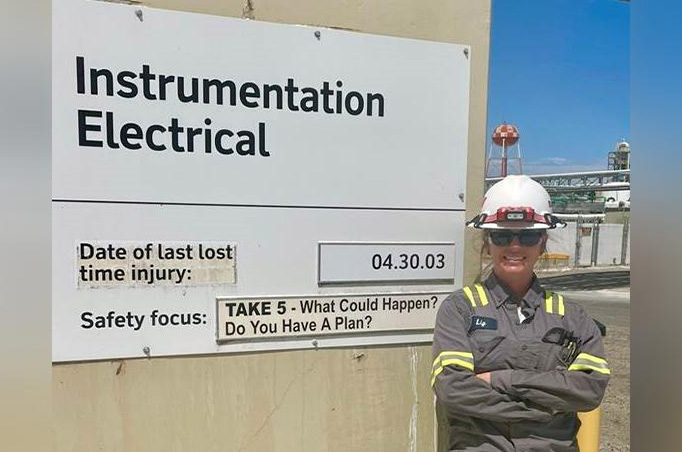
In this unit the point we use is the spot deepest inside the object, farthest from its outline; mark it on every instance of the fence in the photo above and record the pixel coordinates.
(587, 244)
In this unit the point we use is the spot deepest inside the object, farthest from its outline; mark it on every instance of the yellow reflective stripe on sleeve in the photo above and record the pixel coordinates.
(449, 362)
(448, 354)
(548, 302)
(590, 358)
(481, 294)
(435, 374)
(458, 362)
(561, 304)
(602, 370)
(470, 296)
(585, 361)
(447, 358)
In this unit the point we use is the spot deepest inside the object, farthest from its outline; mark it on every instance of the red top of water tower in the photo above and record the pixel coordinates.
(505, 135)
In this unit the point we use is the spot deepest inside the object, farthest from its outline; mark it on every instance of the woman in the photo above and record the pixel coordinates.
(513, 362)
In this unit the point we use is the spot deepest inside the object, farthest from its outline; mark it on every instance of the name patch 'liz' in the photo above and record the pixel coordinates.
(482, 323)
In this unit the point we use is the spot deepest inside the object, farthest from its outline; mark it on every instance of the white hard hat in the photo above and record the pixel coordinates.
(516, 202)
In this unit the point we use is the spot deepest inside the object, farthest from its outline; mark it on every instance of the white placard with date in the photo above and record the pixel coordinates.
(376, 262)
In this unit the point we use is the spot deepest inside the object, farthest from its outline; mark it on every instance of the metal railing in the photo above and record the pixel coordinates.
(587, 181)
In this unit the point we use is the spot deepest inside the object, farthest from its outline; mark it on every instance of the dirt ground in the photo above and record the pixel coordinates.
(612, 307)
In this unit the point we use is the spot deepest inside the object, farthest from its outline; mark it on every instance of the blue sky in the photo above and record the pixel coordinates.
(560, 71)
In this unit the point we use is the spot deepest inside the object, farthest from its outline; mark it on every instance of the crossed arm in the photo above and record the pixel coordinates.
(513, 395)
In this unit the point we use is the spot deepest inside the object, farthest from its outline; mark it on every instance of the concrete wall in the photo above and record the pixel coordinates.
(610, 244)
(617, 216)
(370, 399)
(562, 241)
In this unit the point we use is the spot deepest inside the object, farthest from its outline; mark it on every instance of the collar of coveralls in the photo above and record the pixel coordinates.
(500, 293)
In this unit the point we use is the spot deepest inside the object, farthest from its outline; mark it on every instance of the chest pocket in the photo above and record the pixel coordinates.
(488, 350)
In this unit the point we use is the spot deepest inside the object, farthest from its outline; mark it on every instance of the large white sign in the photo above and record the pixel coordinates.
(182, 133)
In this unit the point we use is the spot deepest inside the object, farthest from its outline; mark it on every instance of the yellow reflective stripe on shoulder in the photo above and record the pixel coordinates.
(550, 306)
(548, 302)
(589, 367)
(481, 294)
(470, 295)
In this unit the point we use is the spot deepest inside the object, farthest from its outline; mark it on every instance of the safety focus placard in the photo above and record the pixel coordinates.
(252, 318)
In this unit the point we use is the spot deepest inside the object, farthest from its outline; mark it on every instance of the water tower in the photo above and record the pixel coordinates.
(504, 149)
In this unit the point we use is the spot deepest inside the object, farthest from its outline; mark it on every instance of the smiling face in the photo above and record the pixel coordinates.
(514, 261)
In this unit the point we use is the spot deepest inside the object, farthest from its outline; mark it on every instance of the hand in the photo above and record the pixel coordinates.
(485, 376)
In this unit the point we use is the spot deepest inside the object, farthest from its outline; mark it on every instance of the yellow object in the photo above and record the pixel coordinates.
(555, 256)
(549, 303)
(470, 296)
(588, 435)
(482, 297)
(481, 294)
(553, 260)
(585, 361)
(465, 360)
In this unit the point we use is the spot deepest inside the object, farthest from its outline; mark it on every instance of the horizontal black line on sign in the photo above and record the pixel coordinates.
(269, 206)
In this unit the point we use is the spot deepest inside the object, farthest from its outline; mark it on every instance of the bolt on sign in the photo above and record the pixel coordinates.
(201, 189)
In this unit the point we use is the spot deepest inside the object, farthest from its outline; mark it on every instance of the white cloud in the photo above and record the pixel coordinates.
(555, 160)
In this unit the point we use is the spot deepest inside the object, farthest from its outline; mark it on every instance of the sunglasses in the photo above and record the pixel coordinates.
(527, 237)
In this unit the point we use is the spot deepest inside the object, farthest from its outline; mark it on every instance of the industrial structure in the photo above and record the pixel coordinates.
(586, 192)
(619, 160)
(595, 204)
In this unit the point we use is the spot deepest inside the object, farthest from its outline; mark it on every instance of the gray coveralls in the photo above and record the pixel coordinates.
(536, 386)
